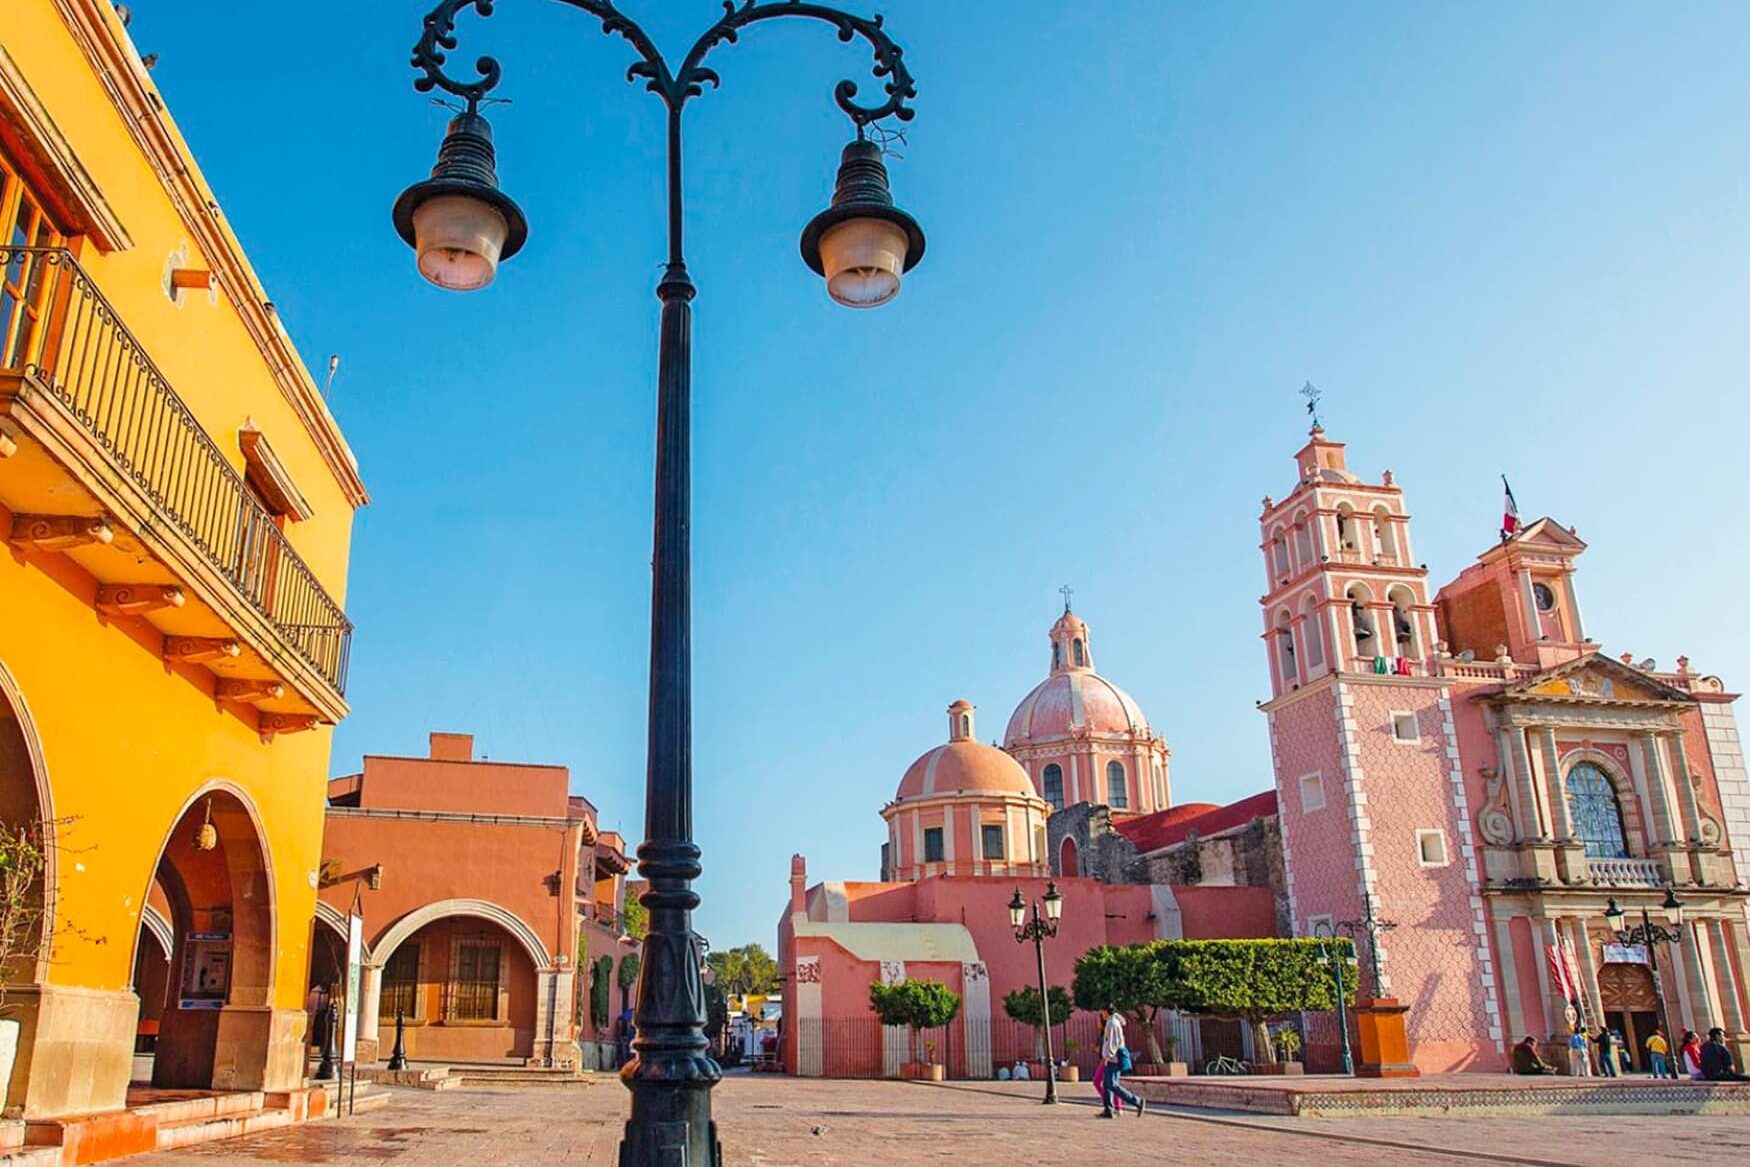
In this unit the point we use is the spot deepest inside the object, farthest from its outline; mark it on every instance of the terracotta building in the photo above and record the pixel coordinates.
(177, 506)
(1476, 765)
(485, 888)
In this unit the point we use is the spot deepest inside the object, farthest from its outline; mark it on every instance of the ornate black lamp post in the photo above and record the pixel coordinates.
(1370, 926)
(325, 1069)
(1335, 960)
(1040, 929)
(462, 226)
(1650, 935)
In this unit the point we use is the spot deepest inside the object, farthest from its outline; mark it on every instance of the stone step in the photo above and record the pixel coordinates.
(11, 1134)
(187, 1134)
(197, 1107)
(31, 1157)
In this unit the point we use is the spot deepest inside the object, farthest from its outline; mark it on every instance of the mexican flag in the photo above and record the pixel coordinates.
(1509, 514)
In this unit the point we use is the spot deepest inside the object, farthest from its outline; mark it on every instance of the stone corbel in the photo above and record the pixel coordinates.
(197, 650)
(248, 692)
(8, 442)
(137, 599)
(272, 725)
(60, 532)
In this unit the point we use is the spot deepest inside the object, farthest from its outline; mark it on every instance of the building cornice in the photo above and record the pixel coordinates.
(106, 45)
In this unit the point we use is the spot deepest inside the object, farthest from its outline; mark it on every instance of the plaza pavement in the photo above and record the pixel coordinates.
(778, 1122)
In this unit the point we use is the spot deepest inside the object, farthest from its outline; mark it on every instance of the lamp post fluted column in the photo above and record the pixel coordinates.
(461, 226)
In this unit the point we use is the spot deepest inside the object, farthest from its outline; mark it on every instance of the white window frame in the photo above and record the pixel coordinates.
(1318, 783)
(1423, 834)
(1415, 724)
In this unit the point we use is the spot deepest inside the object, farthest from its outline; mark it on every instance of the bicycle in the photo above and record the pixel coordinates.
(1227, 1065)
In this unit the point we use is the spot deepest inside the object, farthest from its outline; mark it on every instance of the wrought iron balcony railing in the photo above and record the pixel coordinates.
(58, 331)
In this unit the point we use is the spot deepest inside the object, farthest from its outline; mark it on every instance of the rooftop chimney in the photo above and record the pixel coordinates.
(452, 747)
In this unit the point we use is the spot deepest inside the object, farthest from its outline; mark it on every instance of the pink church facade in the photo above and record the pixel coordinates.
(1471, 763)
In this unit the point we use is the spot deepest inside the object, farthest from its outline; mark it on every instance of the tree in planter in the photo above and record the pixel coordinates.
(628, 976)
(1130, 980)
(1024, 1006)
(917, 1005)
(1253, 980)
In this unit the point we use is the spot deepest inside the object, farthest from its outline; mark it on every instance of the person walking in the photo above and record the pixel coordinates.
(1659, 1054)
(1606, 1046)
(1716, 1059)
(1689, 1055)
(1579, 1059)
(1115, 1057)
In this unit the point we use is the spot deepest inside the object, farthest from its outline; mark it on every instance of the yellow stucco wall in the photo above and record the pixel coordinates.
(128, 742)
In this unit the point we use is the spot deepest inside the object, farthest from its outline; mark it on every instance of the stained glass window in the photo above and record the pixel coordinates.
(1597, 814)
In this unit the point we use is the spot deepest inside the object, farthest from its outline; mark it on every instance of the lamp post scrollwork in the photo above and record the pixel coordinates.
(1039, 929)
(1650, 935)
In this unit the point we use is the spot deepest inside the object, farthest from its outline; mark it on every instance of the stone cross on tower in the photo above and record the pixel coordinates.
(1066, 592)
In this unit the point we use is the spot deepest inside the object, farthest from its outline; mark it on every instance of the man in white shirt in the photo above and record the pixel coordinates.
(1113, 1055)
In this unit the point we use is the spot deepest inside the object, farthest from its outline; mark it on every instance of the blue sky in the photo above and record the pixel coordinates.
(1500, 237)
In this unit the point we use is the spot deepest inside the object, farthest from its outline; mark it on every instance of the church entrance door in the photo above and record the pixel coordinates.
(1631, 1008)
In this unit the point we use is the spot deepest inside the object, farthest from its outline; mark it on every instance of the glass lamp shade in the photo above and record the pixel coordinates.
(1672, 907)
(863, 258)
(1612, 912)
(1053, 903)
(459, 241)
(1017, 909)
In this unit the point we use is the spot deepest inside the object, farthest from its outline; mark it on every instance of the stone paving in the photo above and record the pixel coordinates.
(777, 1122)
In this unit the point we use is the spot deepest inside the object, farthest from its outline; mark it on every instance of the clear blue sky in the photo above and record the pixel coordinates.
(1501, 237)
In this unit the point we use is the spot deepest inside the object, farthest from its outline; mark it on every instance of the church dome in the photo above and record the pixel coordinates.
(963, 765)
(1074, 699)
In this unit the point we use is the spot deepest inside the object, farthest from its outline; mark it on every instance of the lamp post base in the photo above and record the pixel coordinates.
(670, 1127)
(1385, 1045)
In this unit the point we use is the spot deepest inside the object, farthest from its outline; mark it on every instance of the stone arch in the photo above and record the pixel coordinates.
(33, 801)
(418, 918)
(159, 927)
(335, 919)
(243, 813)
(1068, 859)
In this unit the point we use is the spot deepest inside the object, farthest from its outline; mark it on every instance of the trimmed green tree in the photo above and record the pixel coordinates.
(1024, 1006)
(917, 1005)
(1253, 980)
(1130, 980)
(627, 977)
(599, 988)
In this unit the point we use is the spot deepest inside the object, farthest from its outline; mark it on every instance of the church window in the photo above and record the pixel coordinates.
(401, 982)
(474, 984)
(1056, 656)
(1544, 596)
(1116, 796)
(1431, 848)
(1312, 794)
(991, 839)
(1081, 656)
(1597, 813)
(1052, 779)
(932, 844)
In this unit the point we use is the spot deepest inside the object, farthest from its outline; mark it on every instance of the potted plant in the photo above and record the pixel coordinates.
(1023, 1005)
(1067, 1070)
(1173, 1067)
(22, 858)
(917, 1005)
(1288, 1046)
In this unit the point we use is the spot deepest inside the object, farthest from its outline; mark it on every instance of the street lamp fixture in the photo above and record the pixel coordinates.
(1649, 935)
(462, 227)
(1040, 929)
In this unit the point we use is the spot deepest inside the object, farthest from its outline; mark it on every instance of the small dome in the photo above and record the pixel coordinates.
(963, 765)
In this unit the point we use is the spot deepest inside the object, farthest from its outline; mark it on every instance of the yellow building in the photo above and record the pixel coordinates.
(177, 506)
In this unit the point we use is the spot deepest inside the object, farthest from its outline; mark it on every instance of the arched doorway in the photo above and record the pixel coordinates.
(214, 887)
(1068, 861)
(1631, 1007)
(467, 983)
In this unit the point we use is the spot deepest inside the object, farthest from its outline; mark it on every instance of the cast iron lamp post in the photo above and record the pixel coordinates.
(1650, 935)
(1370, 926)
(1335, 960)
(461, 226)
(1039, 930)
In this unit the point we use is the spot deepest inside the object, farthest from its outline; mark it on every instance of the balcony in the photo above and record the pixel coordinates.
(101, 462)
(1625, 872)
